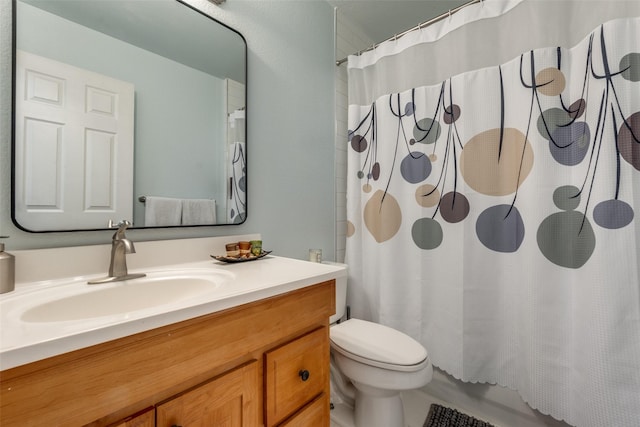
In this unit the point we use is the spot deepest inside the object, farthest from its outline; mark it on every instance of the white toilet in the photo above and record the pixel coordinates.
(372, 364)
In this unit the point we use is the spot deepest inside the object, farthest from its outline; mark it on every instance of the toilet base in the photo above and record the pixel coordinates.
(377, 408)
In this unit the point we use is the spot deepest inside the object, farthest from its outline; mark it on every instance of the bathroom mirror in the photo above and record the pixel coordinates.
(126, 109)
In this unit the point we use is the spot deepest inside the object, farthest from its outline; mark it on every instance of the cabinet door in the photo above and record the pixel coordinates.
(146, 418)
(295, 374)
(314, 414)
(230, 400)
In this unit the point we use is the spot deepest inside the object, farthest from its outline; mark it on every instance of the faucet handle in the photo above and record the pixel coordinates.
(122, 224)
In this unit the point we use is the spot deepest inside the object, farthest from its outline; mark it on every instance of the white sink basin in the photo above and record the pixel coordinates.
(157, 289)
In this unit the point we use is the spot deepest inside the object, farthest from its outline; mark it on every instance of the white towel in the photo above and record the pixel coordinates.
(198, 211)
(162, 211)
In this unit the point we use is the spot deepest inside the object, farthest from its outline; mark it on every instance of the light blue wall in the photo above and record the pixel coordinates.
(163, 164)
(290, 130)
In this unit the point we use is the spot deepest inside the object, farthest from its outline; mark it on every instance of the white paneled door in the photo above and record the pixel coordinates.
(74, 146)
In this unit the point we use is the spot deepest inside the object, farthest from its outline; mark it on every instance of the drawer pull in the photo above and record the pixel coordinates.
(304, 374)
(176, 425)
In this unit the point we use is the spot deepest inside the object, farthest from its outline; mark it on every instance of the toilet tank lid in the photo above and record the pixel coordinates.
(377, 342)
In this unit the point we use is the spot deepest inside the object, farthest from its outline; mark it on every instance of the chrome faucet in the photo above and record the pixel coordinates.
(120, 247)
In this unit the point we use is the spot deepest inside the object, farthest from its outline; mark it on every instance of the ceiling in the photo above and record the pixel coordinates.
(382, 19)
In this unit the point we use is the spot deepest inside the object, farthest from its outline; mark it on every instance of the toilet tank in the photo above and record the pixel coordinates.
(341, 292)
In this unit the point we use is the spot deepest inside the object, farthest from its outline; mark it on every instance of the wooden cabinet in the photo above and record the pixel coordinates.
(146, 418)
(313, 414)
(295, 374)
(230, 400)
(237, 367)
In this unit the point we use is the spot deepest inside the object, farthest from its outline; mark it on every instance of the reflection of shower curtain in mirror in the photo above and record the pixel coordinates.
(493, 199)
(236, 205)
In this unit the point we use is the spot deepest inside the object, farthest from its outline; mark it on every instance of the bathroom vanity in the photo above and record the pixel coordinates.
(253, 353)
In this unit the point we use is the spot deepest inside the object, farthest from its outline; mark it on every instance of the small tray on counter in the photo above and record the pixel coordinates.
(252, 257)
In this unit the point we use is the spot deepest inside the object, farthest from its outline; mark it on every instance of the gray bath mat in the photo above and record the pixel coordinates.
(439, 416)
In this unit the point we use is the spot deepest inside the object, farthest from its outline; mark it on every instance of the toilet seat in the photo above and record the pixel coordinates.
(378, 345)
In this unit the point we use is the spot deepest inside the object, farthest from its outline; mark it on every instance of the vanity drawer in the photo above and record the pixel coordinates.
(314, 414)
(295, 374)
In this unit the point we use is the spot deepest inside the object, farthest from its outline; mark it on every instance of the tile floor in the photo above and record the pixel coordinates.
(416, 408)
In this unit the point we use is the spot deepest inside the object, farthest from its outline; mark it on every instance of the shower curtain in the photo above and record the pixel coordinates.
(493, 197)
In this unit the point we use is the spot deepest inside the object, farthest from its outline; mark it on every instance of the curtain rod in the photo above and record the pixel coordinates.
(417, 27)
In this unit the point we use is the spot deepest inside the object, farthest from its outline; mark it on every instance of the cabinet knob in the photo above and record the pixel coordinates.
(304, 374)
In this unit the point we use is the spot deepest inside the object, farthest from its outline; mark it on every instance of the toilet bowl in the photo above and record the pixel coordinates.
(379, 363)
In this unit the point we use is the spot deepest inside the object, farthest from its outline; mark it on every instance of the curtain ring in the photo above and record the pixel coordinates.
(449, 14)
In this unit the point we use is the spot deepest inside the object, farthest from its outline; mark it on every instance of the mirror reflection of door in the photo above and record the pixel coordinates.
(74, 145)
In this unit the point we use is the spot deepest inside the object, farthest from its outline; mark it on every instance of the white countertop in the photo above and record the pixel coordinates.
(22, 342)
